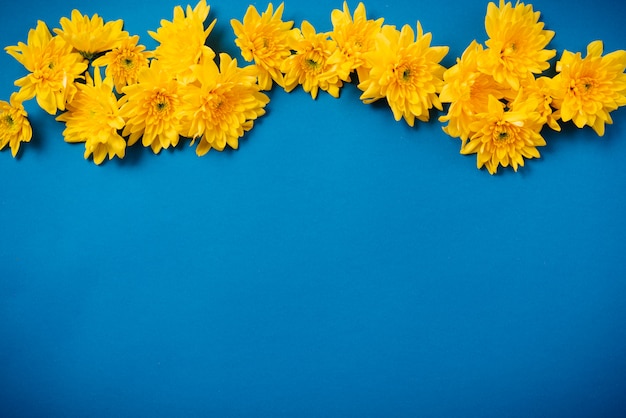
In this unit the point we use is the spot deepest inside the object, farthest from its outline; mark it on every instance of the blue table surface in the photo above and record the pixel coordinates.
(338, 264)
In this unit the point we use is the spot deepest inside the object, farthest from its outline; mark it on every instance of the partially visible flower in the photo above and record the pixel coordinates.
(152, 109)
(124, 62)
(91, 36)
(14, 125)
(505, 138)
(264, 39)
(310, 66)
(222, 104)
(53, 68)
(516, 44)
(538, 90)
(467, 90)
(405, 71)
(93, 117)
(587, 89)
(182, 41)
(355, 36)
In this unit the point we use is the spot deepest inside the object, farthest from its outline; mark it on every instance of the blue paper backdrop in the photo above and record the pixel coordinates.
(337, 264)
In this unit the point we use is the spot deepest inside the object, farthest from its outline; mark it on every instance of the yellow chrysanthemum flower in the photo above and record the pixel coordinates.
(124, 62)
(505, 137)
(93, 117)
(182, 41)
(14, 125)
(538, 90)
(467, 90)
(264, 39)
(91, 36)
(587, 89)
(405, 71)
(53, 68)
(355, 36)
(222, 105)
(310, 66)
(516, 44)
(152, 109)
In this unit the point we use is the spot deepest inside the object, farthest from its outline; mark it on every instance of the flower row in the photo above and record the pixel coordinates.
(497, 98)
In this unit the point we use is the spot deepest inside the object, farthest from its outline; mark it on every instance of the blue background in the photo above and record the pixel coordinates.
(337, 264)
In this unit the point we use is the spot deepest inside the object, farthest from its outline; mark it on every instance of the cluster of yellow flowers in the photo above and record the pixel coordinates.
(498, 100)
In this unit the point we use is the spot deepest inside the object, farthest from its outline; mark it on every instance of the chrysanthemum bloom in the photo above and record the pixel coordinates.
(587, 89)
(53, 68)
(14, 125)
(467, 90)
(182, 41)
(505, 137)
(516, 44)
(91, 36)
(354, 36)
(310, 65)
(539, 91)
(222, 105)
(93, 117)
(152, 109)
(124, 62)
(405, 71)
(264, 39)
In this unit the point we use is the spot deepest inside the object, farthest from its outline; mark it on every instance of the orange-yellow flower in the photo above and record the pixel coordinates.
(124, 62)
(264, 39)
(587, 89)
(405, 71)
(93, 117)
(53, 68)
(152, 109)
(182, 41)
(516, 44)
(222, 105)
(14, 125)
(504, 138)
(310, 66)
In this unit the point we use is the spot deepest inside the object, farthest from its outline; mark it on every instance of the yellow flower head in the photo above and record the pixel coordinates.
(53, 68)
(515, 48)
(310, 65)
(222, 104)
(182, 41)
(124, 62)
(152, 109)
(14, 125)
(405, 71)
(505, 137)
(264, 39)
(93, 117)
(587, 89)
(467, 90)
(91, 36)
(538, 90)
(355, 36)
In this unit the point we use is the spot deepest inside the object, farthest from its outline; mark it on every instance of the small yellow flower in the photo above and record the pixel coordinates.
(124, 62)
(93, 117)
(222, 105)
(91, 36)
(14, 125)
(53, 68)
(516, 44)
(405, 71)
(264, 39)
(467, 90)
(355, 36)
(152, 109)
(587, 89)
(505, 137)
(310, 65)
(182, 41)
